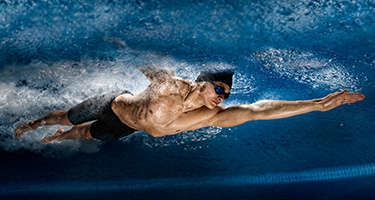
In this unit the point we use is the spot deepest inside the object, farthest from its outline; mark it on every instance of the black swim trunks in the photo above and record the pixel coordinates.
(107, 125)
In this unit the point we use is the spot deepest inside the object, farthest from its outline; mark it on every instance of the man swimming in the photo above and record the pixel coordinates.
(170, 105)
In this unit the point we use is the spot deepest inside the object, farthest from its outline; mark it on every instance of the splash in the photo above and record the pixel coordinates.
(46, 86)
(307, 68)
(190, 140)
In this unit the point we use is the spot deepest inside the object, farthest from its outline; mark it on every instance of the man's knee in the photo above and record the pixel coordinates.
(85, 132)
(62, 116)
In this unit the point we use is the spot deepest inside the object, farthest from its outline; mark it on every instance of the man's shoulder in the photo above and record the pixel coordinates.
(156, 74)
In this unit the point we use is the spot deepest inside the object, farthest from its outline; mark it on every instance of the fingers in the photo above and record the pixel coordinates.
(354, 97)
(347, 97)
(339, 98)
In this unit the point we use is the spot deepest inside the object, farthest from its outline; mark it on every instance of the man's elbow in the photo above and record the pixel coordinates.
(249, 114)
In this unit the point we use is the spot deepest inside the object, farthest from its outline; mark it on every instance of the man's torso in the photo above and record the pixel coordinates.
(161, 109)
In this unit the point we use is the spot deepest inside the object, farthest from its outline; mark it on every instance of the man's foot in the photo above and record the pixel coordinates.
(23, 128)
(53, 137)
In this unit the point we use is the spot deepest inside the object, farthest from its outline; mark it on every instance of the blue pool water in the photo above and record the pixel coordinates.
(57, 53)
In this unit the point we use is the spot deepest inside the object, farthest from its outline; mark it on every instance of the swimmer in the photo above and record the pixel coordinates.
(170, 105)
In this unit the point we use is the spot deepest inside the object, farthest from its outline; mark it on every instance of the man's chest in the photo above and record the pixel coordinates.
(162, 112)
(173, 120)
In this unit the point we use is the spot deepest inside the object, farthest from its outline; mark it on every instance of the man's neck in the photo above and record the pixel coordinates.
(193, 100)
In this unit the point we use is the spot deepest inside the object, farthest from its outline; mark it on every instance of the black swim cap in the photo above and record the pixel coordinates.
(224, 77)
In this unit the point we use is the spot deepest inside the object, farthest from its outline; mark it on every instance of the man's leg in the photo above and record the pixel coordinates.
(77, 132)
(55, 117)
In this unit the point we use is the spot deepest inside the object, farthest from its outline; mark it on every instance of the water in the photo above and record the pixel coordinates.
(55, 54)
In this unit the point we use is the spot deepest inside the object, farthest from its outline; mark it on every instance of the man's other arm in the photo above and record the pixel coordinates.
(277, 109)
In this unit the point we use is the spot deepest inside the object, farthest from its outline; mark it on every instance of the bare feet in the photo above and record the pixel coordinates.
(55, 117)
(23, 128)
(53, 137)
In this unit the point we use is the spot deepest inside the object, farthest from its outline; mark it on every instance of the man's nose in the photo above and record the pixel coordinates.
(220, 98)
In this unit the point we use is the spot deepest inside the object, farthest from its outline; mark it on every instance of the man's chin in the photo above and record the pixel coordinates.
(211, 106)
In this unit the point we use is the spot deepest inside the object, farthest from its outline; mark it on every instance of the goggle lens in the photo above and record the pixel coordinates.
(220, 91)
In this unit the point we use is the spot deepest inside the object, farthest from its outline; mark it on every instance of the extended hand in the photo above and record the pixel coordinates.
(339, 98)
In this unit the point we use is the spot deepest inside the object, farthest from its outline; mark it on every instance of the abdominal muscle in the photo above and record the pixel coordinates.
(157, 116)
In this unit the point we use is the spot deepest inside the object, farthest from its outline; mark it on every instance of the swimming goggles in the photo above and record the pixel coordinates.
(220, 90)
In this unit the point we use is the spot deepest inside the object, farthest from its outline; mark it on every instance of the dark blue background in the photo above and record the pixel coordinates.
(52, 53)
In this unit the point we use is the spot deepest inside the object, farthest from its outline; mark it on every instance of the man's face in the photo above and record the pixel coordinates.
(214, 93)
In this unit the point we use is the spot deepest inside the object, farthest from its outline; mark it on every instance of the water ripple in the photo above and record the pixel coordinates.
(314, 175)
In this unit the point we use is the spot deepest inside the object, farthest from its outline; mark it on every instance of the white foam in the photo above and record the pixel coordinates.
(31, 91)
(307, 68)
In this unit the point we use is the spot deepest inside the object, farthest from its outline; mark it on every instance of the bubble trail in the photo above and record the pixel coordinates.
(324, 174)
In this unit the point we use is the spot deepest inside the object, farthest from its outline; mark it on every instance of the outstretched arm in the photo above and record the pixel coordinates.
(276, 109)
